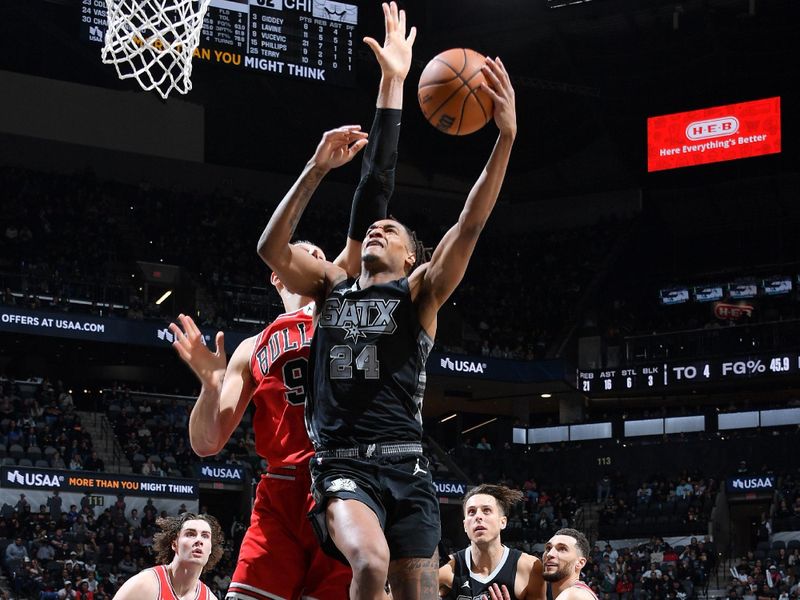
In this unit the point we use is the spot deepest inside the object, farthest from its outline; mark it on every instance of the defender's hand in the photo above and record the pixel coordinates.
(339, 146)
(394, 56)
(209, 367)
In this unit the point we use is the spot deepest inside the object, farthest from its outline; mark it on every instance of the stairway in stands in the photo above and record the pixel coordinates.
(105, 442)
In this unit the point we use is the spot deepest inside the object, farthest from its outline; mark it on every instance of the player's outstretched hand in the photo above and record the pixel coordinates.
(339, 146)
(499, 592)
(498, 86)
(208, 366)
(395, 54)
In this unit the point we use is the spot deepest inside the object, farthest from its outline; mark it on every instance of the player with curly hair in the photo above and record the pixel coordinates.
(187, 546)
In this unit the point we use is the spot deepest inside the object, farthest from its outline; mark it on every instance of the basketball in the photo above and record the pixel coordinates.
(450, 93)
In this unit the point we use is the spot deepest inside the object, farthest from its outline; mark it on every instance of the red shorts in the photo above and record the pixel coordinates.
(280, 557)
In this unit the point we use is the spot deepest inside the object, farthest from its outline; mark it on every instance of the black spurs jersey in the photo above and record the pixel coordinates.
(367, 367)
(468, 586)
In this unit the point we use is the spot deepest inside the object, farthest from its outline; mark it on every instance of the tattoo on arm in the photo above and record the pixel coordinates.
(303, 195)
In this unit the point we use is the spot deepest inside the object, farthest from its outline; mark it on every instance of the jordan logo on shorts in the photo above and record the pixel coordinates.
(418, 470)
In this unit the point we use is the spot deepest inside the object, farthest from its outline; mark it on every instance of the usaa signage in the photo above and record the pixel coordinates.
(450, 489)
(751, 484)
(222, 472)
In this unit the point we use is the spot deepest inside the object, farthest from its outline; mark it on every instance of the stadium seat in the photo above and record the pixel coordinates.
(778, 545)
(34, 452)
(25, 462)
(16, 451)
(42, 464)
(9, 462)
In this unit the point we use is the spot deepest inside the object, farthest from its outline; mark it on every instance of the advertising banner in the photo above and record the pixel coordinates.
(26, 478)
(714, 134)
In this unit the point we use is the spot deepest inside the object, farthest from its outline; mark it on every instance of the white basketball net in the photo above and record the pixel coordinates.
(153, 41)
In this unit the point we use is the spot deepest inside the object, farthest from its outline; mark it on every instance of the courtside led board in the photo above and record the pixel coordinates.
(714, 134)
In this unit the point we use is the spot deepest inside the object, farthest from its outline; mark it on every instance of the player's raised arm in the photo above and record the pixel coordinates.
(225, 391)
(300, 272)
(450, 258)
(378, 162)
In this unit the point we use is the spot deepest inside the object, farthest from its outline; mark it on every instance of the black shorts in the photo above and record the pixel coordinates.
(399, 490)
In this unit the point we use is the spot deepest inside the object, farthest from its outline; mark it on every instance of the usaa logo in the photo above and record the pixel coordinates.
(33, 479)
(444, 487)
(462, 366)
(221, 472)
(753, 483)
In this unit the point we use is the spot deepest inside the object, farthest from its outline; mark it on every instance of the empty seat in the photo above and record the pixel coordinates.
(34, 452)
(16, 451)
(25, 462)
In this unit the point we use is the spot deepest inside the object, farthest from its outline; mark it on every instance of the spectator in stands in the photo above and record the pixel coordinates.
(67, 591)
(643, 494)
(94, 463)
(23, 506)
(16, 553)
(54, 503)
(652, 573)
(684, 489)
(624, 587)
(57, 462)
(603, 488)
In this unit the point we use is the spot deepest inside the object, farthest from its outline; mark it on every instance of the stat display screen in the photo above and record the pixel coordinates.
(676, 375)
(302, 39)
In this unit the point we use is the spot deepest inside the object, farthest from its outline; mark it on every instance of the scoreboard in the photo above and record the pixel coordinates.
(667, 376)
(303, 39)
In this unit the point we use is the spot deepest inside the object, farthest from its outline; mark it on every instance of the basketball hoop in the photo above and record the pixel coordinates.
(153, 41)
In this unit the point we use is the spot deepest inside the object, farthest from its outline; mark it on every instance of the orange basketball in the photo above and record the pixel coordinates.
(450, 93)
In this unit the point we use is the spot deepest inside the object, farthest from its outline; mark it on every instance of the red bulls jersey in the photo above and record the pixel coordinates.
(583, 586)
(279, 365)
(165, 591)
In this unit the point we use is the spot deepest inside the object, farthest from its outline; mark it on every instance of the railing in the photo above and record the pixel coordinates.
(700, 343)
(66, 294)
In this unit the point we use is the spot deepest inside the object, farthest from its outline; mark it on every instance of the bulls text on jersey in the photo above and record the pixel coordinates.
(278, 343)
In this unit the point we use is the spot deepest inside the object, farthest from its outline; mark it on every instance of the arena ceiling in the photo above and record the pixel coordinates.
(587, 76)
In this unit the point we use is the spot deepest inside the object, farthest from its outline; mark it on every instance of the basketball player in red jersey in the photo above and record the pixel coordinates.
(564, 557)
(280, 555)
(186, 546)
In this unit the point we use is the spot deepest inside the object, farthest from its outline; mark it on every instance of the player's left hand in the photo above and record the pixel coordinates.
(339, 146)
(499, 592)
(395, 54)
(498, 86)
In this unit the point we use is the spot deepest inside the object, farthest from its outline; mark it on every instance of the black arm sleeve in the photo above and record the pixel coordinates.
(371, 198)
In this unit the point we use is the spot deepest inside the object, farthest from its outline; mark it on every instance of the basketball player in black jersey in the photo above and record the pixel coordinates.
(486, 561)
(376, 504)
(564, 556)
